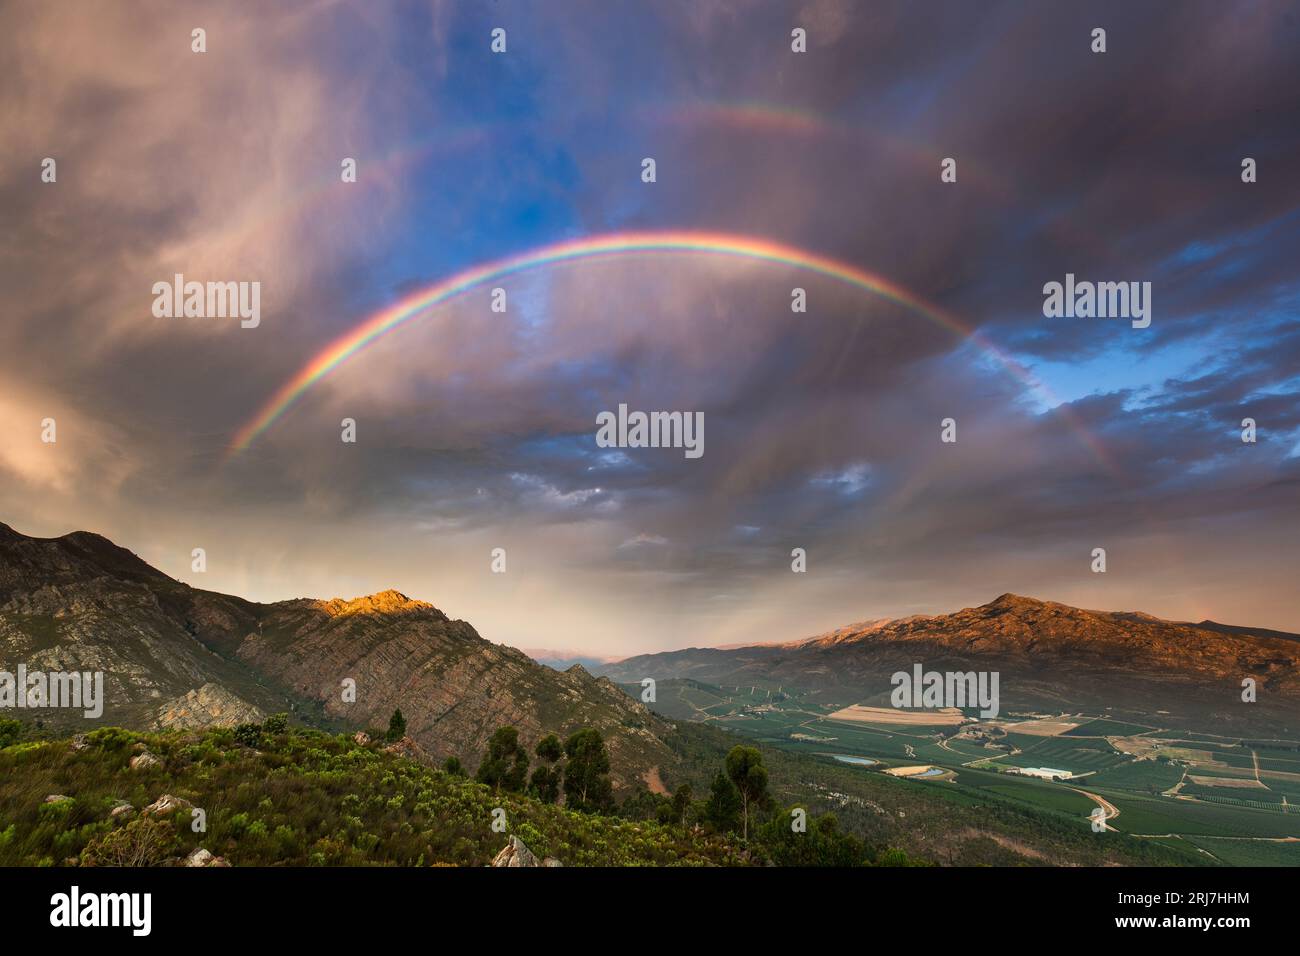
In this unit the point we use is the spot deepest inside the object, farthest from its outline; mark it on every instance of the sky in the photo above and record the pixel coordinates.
(476, 429)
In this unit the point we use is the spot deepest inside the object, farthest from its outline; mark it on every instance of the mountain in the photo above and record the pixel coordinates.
(173, 655)
(1049, 656)
(562, 660)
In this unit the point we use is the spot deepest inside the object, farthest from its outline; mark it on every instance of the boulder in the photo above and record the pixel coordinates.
(143, 761)
(515, 853)
(408, 748)
(165, 805)
(361, 737)
(123, 811)
(56, 798)
(201, 857)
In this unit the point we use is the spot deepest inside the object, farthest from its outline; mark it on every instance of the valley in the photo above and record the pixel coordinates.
(1229, 798)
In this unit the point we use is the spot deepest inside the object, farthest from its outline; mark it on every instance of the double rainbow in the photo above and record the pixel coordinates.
(614, 244)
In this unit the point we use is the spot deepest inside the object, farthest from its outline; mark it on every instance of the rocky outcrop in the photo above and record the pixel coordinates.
(515, 853)
(208, 706)
(408, 748)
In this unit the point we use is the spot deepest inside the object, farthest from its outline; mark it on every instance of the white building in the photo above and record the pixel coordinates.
(1045, 773)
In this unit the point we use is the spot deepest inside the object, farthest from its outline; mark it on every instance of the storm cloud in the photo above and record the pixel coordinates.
(476, 429)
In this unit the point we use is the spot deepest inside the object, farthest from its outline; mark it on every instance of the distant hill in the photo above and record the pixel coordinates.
(563, 660)
(1048, 655)
(173, 655)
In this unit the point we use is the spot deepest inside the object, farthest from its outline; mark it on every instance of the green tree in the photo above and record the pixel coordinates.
(452, 766)
(547, 776)
(586, 773)
(505, 767)
(722, 809)
(396, 725)
(681, 803)
(746, 771)
(641, 804)
(821, 843)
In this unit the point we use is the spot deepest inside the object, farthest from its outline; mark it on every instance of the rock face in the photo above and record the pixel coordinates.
(1048, 655)
(174, 656)
(453, 687)
(208, 706)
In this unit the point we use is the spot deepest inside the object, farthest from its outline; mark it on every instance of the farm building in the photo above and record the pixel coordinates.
(1045, 773)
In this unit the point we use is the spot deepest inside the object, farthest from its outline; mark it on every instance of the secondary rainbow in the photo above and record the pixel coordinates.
(622, 243)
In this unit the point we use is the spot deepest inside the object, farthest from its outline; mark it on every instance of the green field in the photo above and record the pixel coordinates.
(1233, 825)
(1108, 728)
(1249, 852)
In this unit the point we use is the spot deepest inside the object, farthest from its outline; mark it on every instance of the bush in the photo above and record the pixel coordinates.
(276, 724)
(144, 842)
(111, 739)
(250, 735)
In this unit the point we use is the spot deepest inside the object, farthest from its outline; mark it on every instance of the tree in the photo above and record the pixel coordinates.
(506, 765)
(821, 844)
(722, 809)
(452, 767)
(549, 748)
(547, 776)
(396, 725)
(746, 771)
(586, 774)
(681, 803)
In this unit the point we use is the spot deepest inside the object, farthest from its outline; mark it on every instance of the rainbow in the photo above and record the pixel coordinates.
(617, 244)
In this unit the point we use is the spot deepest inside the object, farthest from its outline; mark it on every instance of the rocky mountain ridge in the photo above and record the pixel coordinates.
(173, 655)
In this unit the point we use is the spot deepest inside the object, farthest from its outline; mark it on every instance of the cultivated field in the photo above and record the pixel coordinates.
(1236, 801)
(859, 713)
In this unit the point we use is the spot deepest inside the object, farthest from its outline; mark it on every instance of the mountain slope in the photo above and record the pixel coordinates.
(173, 655)
(1048, 655)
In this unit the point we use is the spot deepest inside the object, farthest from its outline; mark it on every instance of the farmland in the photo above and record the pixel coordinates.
(1235, 801)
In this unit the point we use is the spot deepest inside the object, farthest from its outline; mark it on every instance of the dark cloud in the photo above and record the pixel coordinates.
(822, 429)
